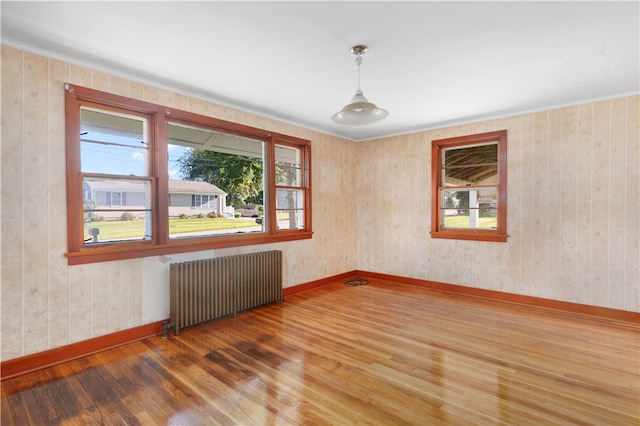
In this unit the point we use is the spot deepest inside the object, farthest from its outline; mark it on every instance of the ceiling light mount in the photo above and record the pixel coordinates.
(359, 110)
(359, 49)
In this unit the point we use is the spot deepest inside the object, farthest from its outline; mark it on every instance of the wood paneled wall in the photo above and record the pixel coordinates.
(573, 208)
(573, 211)
(48, 304)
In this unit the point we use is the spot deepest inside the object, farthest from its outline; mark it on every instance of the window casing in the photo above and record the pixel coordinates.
(232, 161)
(469, 187)
(119, 201)
(290, 191)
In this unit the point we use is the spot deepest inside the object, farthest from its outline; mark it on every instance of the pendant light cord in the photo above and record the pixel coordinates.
(359, 62)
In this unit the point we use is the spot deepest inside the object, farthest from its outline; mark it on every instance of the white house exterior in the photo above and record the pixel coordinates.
(110, 198)
(194, 197)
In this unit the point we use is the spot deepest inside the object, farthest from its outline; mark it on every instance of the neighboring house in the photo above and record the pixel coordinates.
(194, 197)
(111, 198)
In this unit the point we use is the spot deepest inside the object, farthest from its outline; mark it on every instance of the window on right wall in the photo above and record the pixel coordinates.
(469, 187)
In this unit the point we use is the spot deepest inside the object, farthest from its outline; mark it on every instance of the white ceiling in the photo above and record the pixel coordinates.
(430, 64)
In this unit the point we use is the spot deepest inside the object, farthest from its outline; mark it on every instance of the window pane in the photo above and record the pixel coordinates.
(290, 208)
(475, 175)
(471, 165)
(469, 208)
(116, 210)
(112, 143)
(216, 182)
(289, 176)
(116, 199)
(288, 166)
(290, 219)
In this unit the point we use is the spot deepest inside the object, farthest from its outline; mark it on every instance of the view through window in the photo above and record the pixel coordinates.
(469, 187)
(201, 163)
(115, 176)
(144, 179)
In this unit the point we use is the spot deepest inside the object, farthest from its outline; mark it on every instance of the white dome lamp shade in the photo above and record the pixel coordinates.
(359, 110)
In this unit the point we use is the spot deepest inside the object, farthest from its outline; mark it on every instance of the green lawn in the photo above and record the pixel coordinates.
(134, 229)
(179, 226)
(463, 222)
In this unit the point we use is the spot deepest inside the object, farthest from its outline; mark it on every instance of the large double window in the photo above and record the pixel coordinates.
(144, 179)
(469, 187)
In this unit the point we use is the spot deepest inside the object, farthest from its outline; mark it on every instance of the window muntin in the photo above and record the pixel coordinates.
(470, 209)
(290, 194)
(470, 165)
(113, 149)
(290, 208)
(467, 171)
(116, 142)
(124, 220)
(469, 187)
(113, 142)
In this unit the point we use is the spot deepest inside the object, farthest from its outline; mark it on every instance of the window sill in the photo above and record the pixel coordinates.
(470, 235)
(118, 252)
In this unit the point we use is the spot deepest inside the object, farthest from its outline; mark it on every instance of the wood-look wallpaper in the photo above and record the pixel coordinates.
(45, 302)
(573, 208)
(573, 214)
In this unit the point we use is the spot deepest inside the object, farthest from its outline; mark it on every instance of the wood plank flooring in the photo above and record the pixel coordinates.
(380, 354)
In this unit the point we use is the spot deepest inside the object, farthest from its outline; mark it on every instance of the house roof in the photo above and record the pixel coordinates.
(193, 187)
(116, 185)
(175, 187)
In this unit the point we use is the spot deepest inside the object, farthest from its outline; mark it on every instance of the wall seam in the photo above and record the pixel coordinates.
(49, 215)
(22, 201)
(575, 206)
(590, 245)
(625, 260)
(609, 194)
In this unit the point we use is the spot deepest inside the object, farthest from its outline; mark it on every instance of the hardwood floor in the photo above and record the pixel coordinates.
(378, 354)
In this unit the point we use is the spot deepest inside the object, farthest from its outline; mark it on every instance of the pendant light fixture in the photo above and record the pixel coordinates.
(359, 110)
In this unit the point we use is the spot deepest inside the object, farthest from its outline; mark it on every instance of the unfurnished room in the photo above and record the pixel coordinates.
(320, 213)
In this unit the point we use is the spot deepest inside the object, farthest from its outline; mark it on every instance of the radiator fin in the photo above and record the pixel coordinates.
(202, 290)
